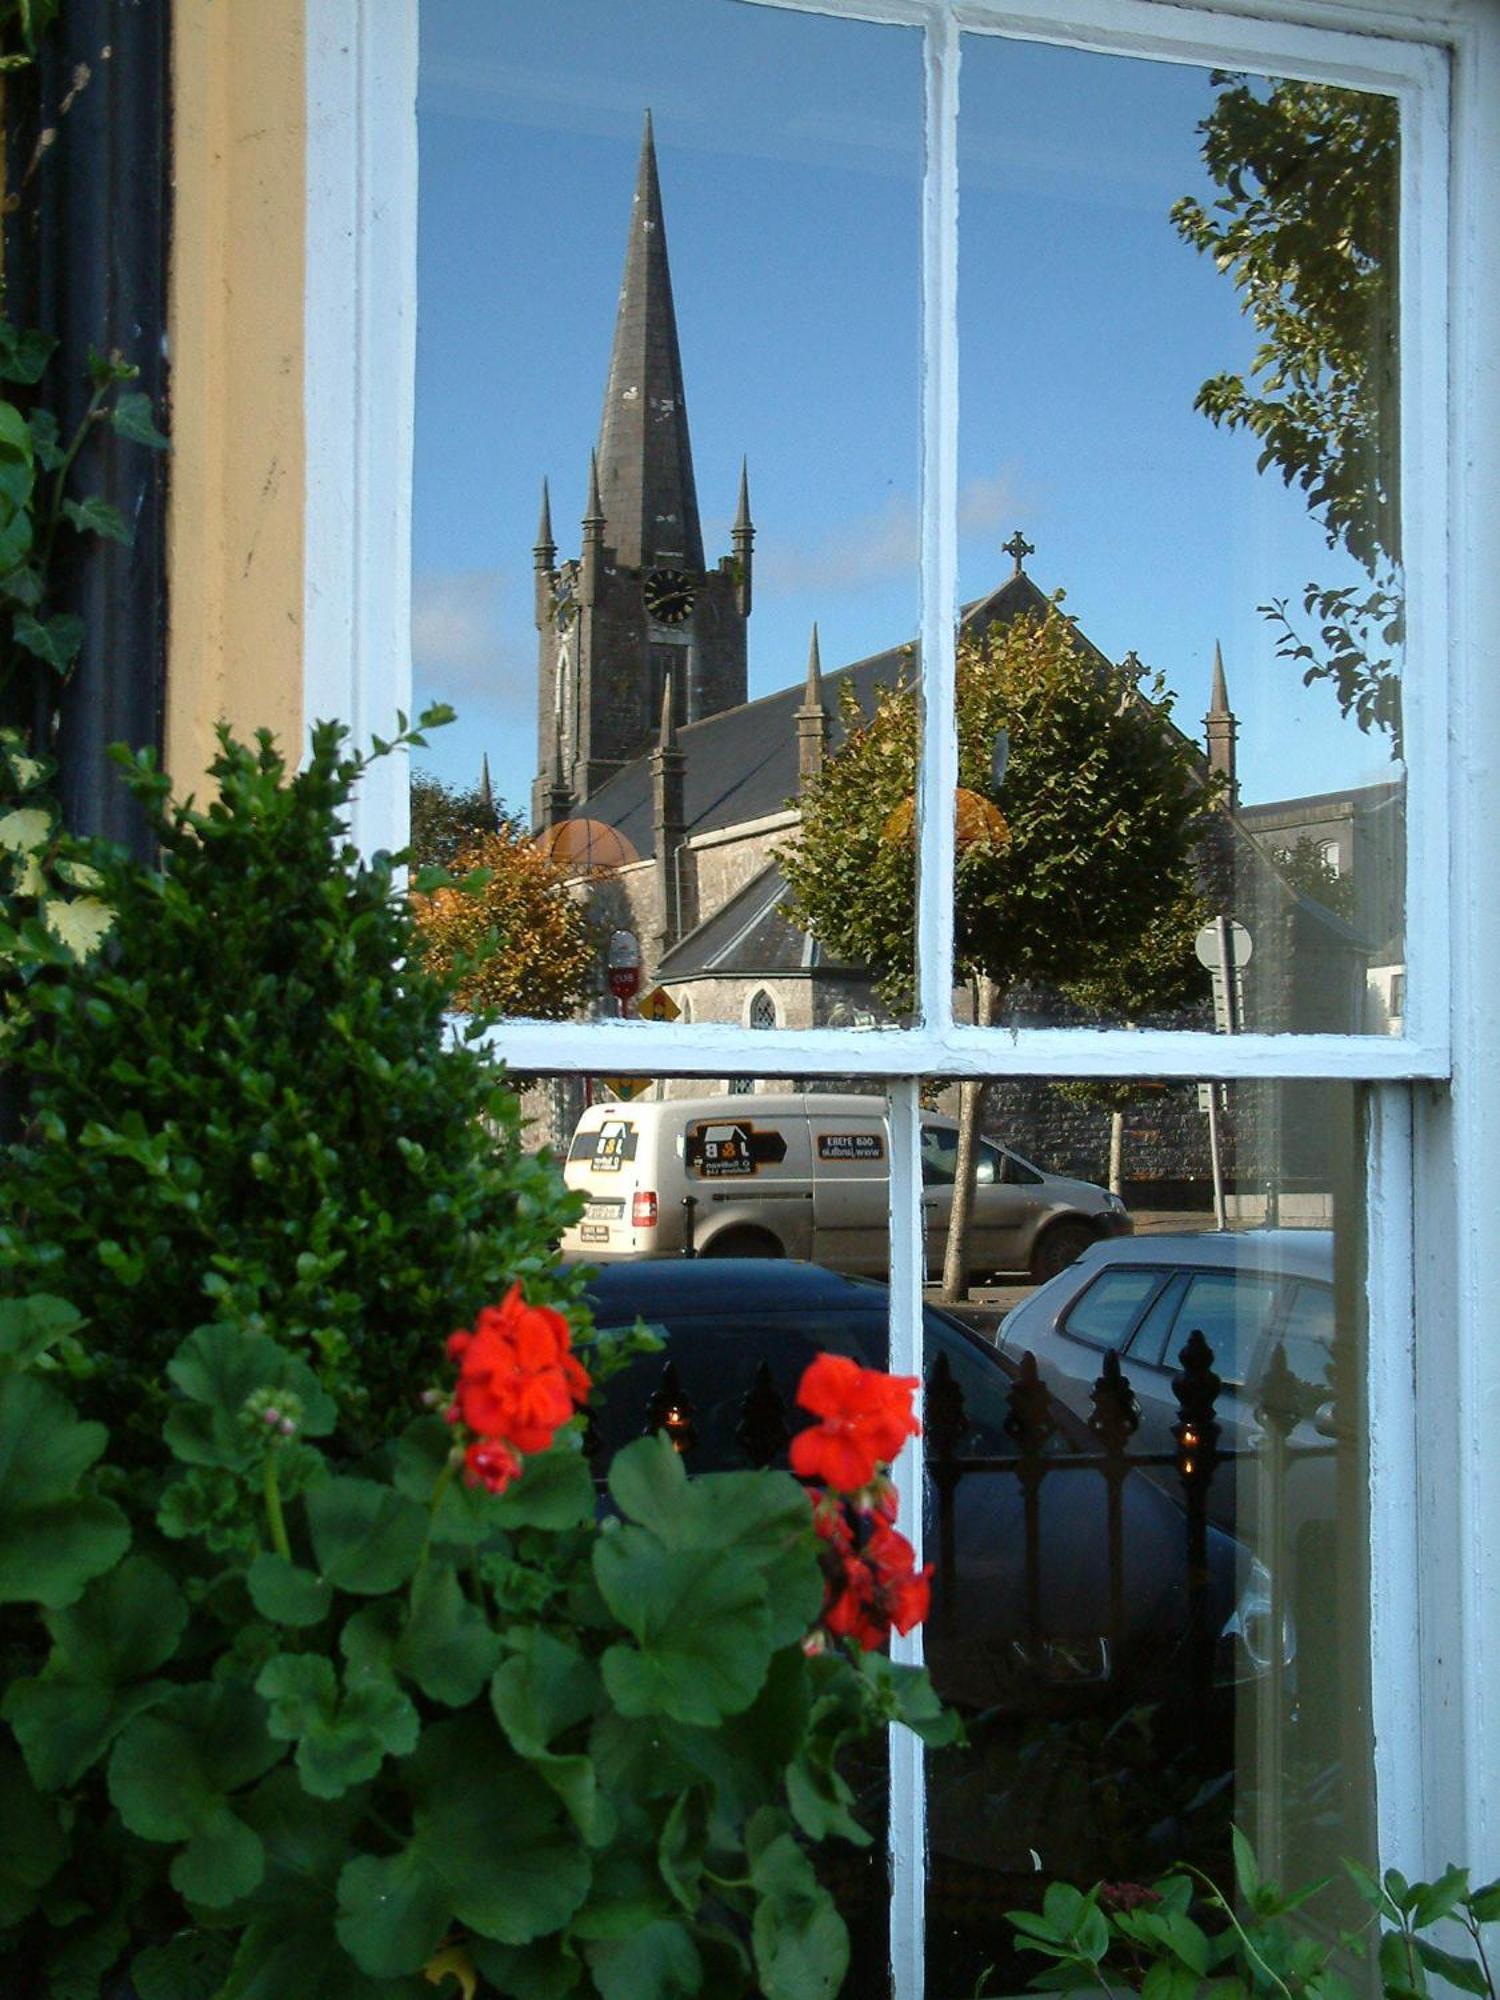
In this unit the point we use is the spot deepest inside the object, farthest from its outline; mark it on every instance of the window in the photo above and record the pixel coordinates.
(1418, 1147)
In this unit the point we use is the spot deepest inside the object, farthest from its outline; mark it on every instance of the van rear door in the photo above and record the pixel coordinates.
(851, 1181)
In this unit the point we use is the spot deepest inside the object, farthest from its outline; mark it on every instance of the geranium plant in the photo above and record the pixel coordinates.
(440, 1712)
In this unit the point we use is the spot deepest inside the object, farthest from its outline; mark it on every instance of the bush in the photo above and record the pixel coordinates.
(250, 1110)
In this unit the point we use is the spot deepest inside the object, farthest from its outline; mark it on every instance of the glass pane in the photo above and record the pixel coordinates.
(1179, 670)
(748, 1230)
(1147, 1517)
(653, 663)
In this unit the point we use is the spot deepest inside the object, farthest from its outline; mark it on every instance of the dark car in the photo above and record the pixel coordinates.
(1023, 1592)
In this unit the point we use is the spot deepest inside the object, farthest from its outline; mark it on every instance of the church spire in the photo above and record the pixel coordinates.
(650, 502)
(1221, 728)
(812, 719)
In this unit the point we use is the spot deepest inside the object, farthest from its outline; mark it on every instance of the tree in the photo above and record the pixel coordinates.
(508, 936)
(445, 818)
(1087, 849)
(1305, 868)
(1306, 227)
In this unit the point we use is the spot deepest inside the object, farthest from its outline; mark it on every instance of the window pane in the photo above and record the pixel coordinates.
(654, 650)
(1115, 1558)
(1179, 547)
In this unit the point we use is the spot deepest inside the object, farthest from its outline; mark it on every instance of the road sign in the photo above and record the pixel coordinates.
(1238, 946)
(658, 1005)
(626, 1087)
(624, 980)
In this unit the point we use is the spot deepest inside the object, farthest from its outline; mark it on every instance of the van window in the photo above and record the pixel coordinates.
(940, 1155)
(608, 1148)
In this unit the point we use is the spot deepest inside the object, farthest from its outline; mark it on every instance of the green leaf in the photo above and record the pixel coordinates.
(801, 1945)
(545, 1687)
(682, 1846)
(555, 1490)
(1164, 1981)
(1439, 1899)
(1485, 1903)
(133, 417)
(1246, 1869)
(29, 1326)
(55, 641)
(217, 1369)
(98, 517)
(1464, 1973)
(699, 1618)
(35, 1845)
(15, 433)
(53, 1539)
(192, 1966)
(285, 1594)
(24, 355)
(366, 1538)
(126, 1625)
(541, 1971)
(448, 1647)
(465, 1516)
(172, 1776)
(653, 1964)
(487, 1850)
(340, 1742)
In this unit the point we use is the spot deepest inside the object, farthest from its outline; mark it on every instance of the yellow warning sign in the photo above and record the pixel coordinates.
(658, 1005)
(626, 1087)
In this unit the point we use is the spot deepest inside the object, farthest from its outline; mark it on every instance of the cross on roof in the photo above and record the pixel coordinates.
(1019, 547)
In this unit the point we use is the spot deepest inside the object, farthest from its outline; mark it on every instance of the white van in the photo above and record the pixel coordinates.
(804, 1174)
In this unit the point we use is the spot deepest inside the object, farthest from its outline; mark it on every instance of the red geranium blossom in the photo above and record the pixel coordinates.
(518, 1384)
(866, 1420)
(870, 1581)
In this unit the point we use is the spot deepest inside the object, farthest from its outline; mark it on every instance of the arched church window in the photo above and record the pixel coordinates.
(762, 1010)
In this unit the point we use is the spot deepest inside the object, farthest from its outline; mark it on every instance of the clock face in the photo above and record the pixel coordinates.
(669, 596)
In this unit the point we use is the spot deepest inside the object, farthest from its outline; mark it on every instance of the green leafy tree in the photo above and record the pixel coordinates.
(445, 818)
(1305, 868)
(1306, 228)
(253, 1111)
(1086, 851)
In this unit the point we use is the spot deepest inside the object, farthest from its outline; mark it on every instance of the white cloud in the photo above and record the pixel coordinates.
(874, 546)
(461, 647)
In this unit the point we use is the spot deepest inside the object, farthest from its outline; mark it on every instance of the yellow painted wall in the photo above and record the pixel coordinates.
(235, 533)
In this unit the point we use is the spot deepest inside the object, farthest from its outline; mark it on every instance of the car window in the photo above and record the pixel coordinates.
(1019, 1172)
(1149, 1347)
(939, 1153)
(1106, 1312)
(1232, 1310)
(985, 1387)
(1307, 1332)
(990, 1171)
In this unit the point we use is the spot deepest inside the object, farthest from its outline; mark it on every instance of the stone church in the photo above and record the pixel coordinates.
(668, 793)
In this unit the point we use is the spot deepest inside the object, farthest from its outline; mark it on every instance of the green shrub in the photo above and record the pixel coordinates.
(250, 1109)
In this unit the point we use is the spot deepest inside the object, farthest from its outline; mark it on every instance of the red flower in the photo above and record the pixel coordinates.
(870, 1582)
(518, 1384)
(866, 1419)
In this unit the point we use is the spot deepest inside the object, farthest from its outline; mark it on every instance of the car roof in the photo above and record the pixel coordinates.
(1295, 1253)
(713, 1284)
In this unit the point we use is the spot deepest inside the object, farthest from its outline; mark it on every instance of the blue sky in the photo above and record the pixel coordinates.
(789, 151)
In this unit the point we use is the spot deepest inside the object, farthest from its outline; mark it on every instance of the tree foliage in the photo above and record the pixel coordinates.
(446, 818)
(1101, 804)
(1308, 872)
(1306, 228)
(508, 937)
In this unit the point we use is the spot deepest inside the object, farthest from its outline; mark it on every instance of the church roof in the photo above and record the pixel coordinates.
(742, 765)
(750, 936)
(645, 461)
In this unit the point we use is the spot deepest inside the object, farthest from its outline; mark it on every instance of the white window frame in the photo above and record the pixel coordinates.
(1434, 1142)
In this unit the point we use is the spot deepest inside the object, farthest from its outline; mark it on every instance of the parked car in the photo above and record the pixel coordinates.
(1246, 1293)
(806, 1174)
(988, 1645)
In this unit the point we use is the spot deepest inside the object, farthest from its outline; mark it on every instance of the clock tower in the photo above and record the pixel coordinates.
(637, 609)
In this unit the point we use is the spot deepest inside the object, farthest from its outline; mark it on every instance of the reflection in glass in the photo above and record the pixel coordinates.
(1178, 327)
(650, 686)
(1149, 1530)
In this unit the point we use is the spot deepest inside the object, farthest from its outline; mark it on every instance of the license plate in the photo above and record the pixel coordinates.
(594, 1232)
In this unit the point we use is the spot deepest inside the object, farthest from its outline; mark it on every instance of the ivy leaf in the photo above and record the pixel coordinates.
(366, 1538)
(56, 641)
(340, 1743)
(97, 517)
(700, 1622)
(53, 1540)
(126, 1625)
(173, 1773)
(132, 417)
(285, 1594)
(25, 830)
(79, 923)
(487, 1850)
